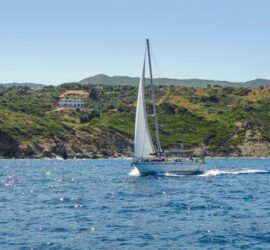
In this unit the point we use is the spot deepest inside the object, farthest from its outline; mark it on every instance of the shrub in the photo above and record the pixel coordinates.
(182, 111)
(84, 119)
(93, 115)
(168, 108)
(213, 98)
(243, 92)
(93, 94)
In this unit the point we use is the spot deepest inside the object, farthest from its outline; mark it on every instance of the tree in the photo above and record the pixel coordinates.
(168, 108)
(93, 94)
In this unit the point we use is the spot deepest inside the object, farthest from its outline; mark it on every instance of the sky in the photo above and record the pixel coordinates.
(56, 41)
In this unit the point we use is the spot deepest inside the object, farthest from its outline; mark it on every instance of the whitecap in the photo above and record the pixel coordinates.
(134, 172)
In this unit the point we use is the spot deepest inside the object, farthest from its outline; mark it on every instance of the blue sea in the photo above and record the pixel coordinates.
(102, 204)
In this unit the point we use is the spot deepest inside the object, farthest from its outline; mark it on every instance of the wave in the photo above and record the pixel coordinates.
(216, 172)
(207, 173)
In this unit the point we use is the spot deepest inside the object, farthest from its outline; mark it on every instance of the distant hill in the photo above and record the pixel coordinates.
(26, 84)
(102, 79)
(126, 80)
(257, 82)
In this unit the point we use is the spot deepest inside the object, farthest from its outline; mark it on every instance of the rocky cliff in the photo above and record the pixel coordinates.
(78, 144)
(105, 144)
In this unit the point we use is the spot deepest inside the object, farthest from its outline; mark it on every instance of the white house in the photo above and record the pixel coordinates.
(71, 103)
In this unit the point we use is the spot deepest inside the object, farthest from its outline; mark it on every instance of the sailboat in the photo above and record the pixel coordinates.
(149, 157)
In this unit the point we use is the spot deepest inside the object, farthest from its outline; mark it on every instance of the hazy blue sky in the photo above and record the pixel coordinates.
(55, 41)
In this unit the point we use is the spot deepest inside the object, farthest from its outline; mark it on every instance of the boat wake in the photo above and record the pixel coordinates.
(172, 174)
(216, 172)
(208, 173)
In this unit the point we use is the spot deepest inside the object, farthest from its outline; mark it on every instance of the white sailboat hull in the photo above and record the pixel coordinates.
(181, 168)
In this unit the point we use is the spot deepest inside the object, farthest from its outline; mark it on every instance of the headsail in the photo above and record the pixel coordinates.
(143, 146)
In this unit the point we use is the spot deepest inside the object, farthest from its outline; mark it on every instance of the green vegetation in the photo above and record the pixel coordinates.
(216, 116)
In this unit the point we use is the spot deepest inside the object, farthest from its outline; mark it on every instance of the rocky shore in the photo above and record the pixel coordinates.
(104, 144)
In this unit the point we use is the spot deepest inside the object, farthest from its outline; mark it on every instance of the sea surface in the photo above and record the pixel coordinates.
(102, 204)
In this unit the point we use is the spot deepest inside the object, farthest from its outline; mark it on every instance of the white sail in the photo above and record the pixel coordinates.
(143, 146)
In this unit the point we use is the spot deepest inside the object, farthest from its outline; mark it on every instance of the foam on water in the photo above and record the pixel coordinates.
(208, 173)
(134, 172)
(172, 174)
(216, 172)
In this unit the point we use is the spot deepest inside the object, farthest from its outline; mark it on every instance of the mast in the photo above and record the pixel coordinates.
(153, 94)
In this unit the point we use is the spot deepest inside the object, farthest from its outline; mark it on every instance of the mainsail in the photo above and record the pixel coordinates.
(143, 146)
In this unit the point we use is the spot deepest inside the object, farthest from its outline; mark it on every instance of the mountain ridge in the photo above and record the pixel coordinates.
(194, 82)
(102, 79)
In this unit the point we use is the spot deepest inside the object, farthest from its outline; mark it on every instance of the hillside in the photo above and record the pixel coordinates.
(224, 121)
(126, 80)
(25, 84)
(102, 79)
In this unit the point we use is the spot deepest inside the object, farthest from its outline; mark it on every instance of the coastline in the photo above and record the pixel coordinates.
(130, 158)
